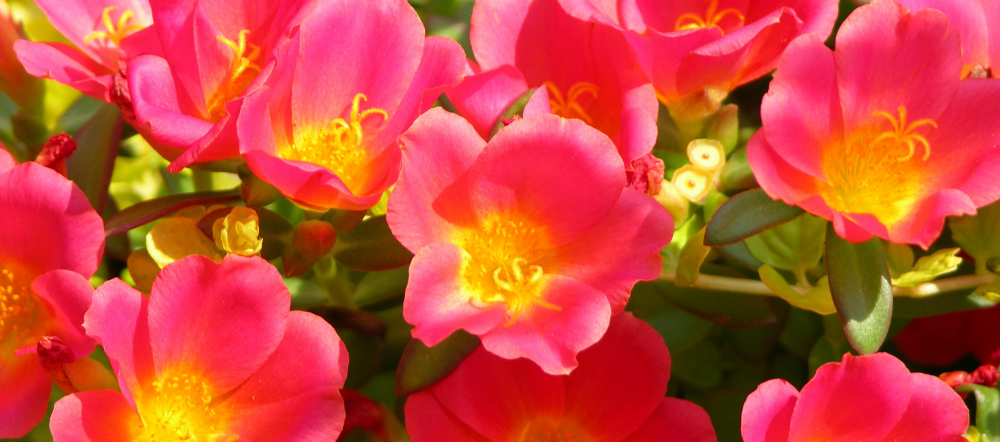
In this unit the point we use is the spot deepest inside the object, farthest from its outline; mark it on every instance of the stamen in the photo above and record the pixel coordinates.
(17, 309)
(114, 33)
(242, 72)
(903, 132)
(179, 409)
(570, 107)
(712, 17)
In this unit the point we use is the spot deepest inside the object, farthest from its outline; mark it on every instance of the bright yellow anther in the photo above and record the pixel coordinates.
(242, 72)
(712, 17)
(569, 106)
(114, 33)
(903, 132)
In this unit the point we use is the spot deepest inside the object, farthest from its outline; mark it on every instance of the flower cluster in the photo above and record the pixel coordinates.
(530, 220)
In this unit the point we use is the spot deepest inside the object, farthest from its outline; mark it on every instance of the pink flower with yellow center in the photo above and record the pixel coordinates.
(615, 395)
(880, 137)
(324, 127)
(187, 99)
(213, 354)
(978, 24)
(581, 71)
(862, 398)
(98, 29)
(694, 50)
(529, 241)
(51, 242)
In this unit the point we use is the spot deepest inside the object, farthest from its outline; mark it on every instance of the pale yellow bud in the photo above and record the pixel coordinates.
(672, 200)
(693, 183)
(238, 232)
(707, 154)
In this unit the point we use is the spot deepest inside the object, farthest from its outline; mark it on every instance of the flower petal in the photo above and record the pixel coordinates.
(936, 340)
(682, 420)
(482, 97)
(427, 420)
(68, 296)
(118, 321)
(95, 416)
(935, 413)
(26, 387)
(66, 65)
(767, 413)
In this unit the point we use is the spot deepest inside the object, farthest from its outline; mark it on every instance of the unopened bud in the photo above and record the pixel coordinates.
(678, 206)
(690, 112)
(70, 374)
(313, 239)
(121, 96)
(693, 183)
(736, 174)
(256, 192)
(725, 127)
(362, 413)
(55, 152)
(646, 175)
(706, 154)
(238, 232)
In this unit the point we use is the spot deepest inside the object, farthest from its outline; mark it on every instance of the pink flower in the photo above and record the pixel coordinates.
(870, 398)
(880, 137)
(942, 340)
(51, 242)
(98, 29)
(187, 99)
(529, 242)
(212, 354)
(691, 49)
(581, 71)
(616, 395)
(978, 24)
(324, 127)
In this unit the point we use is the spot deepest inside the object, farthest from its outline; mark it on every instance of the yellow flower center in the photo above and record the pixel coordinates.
(711, 18)
(871, 173)
(242, 72)
(503, 266)
(18, 310)
(114, 32)
(180, 409)
(569, 106)
(339, 147)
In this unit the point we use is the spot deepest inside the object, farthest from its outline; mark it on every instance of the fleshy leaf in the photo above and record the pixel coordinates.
(859, 282)
(91, 164)
(421, 366)
(151, 210)
(979, 235)
(795, 246)
(692, 256)
(371, 247)
(732, 309)
(746, 215)
(987, 409)
(930, 267)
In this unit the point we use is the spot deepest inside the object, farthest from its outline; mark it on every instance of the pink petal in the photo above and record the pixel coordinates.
(984, 337)
(95, 416)
(7, 161)
(937, 340)
(618, 14)
(621, 380)
(538, 104)
(195, 59)
(67, 65)
(428, 421)
(861, 398)
(295, 395)
(683, 421)
(887, 58)
(553, 338)
(437, 301)
(219, 321)
(971, 21)
(935, 413)
(562, 174)
(802, 109)
(78, 19)
(923, 226)
(818, 16)
(781, 180)
(118, 321)
(431, 198)
(660, 55)
(628, 243)
(26, 387)
(67, 296)
(48, 224)
(497, 397)
(767, 413)
(482, 97)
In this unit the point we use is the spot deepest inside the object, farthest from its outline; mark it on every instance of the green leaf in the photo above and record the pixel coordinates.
(672, 252)
(740, 253)
(795, 246)
(817, 299)
(736, 174)
(746, 215)
(859, 283)
(899, 258)
(732, 309)
(753, 344)
(930, 267)
(692, 256)
(987, 409)
(422, 366)
(91, 164)
(147, 211)
(380, 290)
(680, 329)
(948, 302)
(371, 247)
(516, 107)
(979, 235)
(827, 350)
(699, 365)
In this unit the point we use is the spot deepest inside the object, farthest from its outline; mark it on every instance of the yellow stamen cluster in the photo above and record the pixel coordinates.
(711, 18)
(238, 232)
(17, 308)
(242, 72)
(904, 133)
(502, 266)
(338, 148)
(180, 409)
(114, 33)
(569, 106)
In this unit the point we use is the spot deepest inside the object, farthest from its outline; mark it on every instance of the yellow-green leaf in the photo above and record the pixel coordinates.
(930, 267)
(818, 299)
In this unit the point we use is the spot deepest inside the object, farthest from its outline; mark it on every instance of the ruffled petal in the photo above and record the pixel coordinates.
(65, 65)
(118, 321)
(482, 97)
(428, 421)
(935, 413)
(94, 416)
(68, 296)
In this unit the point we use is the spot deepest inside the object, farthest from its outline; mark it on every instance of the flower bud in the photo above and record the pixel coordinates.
(736, 174)
(646, 175)
(693, 183)
(238, 232)
(70, 374)
(55, 152)
(706, 154)
(313, 239)
(672, 200)
(257, 193)
(725, 127)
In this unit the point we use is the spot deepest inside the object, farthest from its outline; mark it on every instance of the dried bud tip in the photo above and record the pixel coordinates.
(985, 375)
(52, 350)
(646, 174)
(362, 412)
(55, 152)
(507, 121)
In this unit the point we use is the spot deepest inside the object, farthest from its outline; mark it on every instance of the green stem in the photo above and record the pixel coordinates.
(202, 180)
